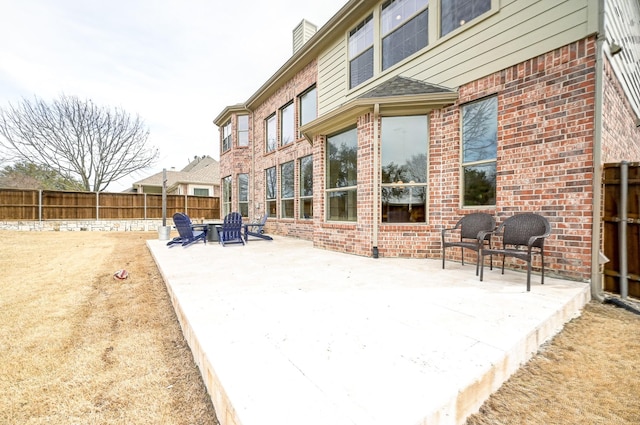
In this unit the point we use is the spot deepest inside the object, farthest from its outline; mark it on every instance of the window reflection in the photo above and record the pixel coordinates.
(404, 169)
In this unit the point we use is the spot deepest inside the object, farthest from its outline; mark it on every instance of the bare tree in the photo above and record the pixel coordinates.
(78, 139)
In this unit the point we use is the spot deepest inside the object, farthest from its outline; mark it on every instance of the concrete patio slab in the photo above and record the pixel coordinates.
(288, 334)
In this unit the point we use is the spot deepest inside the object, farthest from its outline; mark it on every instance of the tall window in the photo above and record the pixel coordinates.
(226, 136)
(243, 194)
(270, 130)
(243, 130)
(342, 152)
(361, 52)
(287, 191)
(404, 169)
(226, 195)
(306, 187)
(308, 106)
(479, 151)
(287, 125)
(404, 28)
(456, 13)
(271, 180)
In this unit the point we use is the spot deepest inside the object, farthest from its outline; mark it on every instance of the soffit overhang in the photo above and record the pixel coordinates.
(347, 114)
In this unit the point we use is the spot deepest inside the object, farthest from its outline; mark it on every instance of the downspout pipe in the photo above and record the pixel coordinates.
(596, 221)
(376, 170)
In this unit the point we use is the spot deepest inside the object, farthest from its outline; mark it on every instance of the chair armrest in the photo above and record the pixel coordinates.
(445, 230)
(482, 235)
(533, 239)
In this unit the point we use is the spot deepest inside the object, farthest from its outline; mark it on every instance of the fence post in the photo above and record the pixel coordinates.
(97, 206)
(40, 206)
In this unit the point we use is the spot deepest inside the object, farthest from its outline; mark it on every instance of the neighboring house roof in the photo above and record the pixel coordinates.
(202, 170)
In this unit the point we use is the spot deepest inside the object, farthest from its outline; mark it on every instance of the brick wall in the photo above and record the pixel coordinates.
(544, 163)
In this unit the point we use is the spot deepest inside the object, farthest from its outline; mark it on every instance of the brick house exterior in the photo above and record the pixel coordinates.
(563, 110)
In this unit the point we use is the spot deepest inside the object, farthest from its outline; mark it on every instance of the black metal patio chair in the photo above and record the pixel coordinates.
(469, 228)
(523, 236)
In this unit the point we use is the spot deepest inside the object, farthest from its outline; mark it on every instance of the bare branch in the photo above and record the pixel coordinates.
(78, 139)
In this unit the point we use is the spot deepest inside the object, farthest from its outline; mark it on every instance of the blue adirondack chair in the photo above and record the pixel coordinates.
(257, 229)
(231, 231)
(187, 231)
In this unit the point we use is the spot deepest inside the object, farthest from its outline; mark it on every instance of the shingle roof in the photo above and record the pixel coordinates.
(202, 170)
(404, 86)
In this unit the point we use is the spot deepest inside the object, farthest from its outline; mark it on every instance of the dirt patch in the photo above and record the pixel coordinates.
(78, 346)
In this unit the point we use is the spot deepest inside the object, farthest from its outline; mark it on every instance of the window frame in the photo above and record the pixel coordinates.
(242, 131)
(395, 30)
(271, 185)
(243, 194)
(302, 102)
(349, 191)
(226, 195)
(477, 163)
(226, 137)
(367, 26)
(271, 133)
(204, 191)
(416, 212)
(287, 123)
(305, 203)
(441, 28)
(287, 189)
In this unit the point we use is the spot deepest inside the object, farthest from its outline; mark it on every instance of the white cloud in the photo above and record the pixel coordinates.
(176, 63)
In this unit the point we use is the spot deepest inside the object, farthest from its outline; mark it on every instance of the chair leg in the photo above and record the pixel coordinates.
(529, 274)
(503, 263)
(542, 266)
(480, 253)
(443, 255)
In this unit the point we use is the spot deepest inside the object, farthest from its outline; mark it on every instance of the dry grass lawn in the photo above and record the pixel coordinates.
(77, 346)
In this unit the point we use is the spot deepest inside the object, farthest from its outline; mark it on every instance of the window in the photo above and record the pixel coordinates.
(404, 29)
(271, 177)
(243, 194)
(226, 195)
(479, 151)
(308, 106)
(226, 137)
(404, 169)
(200, 192)
(287, 191)
(361, 52)
(456, 13)
(342, 150)
(270, 129)
(243, 130)
(306, 187)
(287, 125)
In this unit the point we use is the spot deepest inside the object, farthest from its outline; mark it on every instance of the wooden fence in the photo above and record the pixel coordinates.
(18, 204)
(621, 222)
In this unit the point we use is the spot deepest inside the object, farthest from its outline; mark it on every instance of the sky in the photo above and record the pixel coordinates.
(175, 63)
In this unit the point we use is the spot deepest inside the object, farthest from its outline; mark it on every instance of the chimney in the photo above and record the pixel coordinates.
(302, 33)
